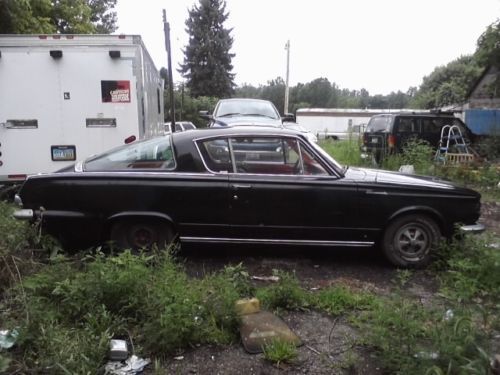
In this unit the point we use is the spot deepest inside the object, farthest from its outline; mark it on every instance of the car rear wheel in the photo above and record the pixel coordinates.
(409, 241)
(141, 234)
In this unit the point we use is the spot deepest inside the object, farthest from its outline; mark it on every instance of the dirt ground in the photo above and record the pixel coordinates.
(328, 346)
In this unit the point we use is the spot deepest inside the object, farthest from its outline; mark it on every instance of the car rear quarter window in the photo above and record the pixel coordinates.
(155, 153)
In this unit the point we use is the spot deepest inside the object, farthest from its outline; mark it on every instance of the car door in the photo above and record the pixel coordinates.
(405, 129)
(282, 192)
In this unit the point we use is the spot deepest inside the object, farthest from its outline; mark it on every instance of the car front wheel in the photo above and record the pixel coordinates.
(409, 241)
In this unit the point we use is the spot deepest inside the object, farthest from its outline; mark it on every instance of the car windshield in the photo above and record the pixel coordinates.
(155, 153)
(246, 108)
(379, 124)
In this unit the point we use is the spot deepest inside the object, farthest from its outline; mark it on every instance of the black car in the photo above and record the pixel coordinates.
(243, 111)
(388, 133)
(255, 185)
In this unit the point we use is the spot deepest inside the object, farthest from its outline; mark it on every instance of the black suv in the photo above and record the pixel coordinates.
(388, 133)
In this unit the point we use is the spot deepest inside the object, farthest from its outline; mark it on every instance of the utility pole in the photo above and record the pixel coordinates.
(287, 47)
(166, 30)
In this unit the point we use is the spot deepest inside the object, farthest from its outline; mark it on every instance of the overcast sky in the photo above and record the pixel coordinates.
(379, 45)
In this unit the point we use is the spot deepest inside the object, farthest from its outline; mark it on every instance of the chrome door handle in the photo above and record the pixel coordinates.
(240, 186)
(372, 192)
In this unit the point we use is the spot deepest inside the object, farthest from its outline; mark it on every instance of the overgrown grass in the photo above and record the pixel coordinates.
(345, 152)
(338, 300)
(453, 335)
(68, 312)
(280, 351)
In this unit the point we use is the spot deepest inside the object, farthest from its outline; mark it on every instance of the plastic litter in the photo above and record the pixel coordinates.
(408, 169)
(426, 355)
(118, 350)
(133, 365)
(266, 278)
(8, 338)
(448, 315)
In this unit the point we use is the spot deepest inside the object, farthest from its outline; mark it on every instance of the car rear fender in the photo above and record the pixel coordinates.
(423, 210)
(134, 215)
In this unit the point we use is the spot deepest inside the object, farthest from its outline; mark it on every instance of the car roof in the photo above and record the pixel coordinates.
(416, 113)
(244, 99)
(236, 130)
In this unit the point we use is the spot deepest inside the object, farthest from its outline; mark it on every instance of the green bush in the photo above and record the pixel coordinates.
(416, 152)
(285, 294)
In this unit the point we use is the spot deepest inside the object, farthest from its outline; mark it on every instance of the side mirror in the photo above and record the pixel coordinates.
(205, 115)
(288, 117)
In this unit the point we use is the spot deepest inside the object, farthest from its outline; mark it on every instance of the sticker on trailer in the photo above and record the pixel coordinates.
(115, 91)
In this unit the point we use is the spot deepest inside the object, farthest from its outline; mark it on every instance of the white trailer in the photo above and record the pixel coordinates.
(336, 123)
(66, 97)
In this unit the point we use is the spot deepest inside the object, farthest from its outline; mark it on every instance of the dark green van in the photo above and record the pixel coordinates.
(388, 133)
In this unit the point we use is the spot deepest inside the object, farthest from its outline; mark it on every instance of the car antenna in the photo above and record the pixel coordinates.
(166, 30)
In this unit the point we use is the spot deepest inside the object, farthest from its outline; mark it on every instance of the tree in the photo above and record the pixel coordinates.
(488, 53)
(488, 46)
(207, 59)
(316, 92)
(57, 16)
(275, 92)
(448, 84)
(25, 16)
(102, 16)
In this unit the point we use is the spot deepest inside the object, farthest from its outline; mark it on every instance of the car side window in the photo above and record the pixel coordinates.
(311, 166)
(275, 156)
(215, 153)
(432, 125)
(407, 125)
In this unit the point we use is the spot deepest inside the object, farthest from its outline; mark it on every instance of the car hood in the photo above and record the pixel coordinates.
(247, 120)
(397, 179)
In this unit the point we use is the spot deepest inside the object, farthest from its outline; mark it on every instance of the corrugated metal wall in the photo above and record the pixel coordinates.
(483, 121)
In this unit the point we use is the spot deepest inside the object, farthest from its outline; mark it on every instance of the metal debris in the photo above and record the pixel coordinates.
(118, 350)
(8, 338)
(132, 366)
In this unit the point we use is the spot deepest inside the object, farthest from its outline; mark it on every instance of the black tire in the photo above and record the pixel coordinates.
(141, 234)
(409, 241)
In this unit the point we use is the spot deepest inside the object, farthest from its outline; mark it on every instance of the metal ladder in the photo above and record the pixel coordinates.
(452, 146)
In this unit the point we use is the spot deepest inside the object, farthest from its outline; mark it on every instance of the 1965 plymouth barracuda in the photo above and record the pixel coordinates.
(257, 185)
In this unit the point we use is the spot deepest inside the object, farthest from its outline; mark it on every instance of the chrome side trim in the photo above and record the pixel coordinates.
(278, 242)
(25, 214)
(474, 228)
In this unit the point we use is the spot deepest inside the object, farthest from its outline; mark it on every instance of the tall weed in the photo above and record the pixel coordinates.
(68, 311)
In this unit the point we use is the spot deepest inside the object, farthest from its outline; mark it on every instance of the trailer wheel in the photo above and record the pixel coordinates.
(141, 234)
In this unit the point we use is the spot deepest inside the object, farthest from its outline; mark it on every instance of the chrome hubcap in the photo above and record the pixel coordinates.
(412, 242)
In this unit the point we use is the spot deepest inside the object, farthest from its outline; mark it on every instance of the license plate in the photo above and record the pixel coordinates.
(374, 140)
(63, 153)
